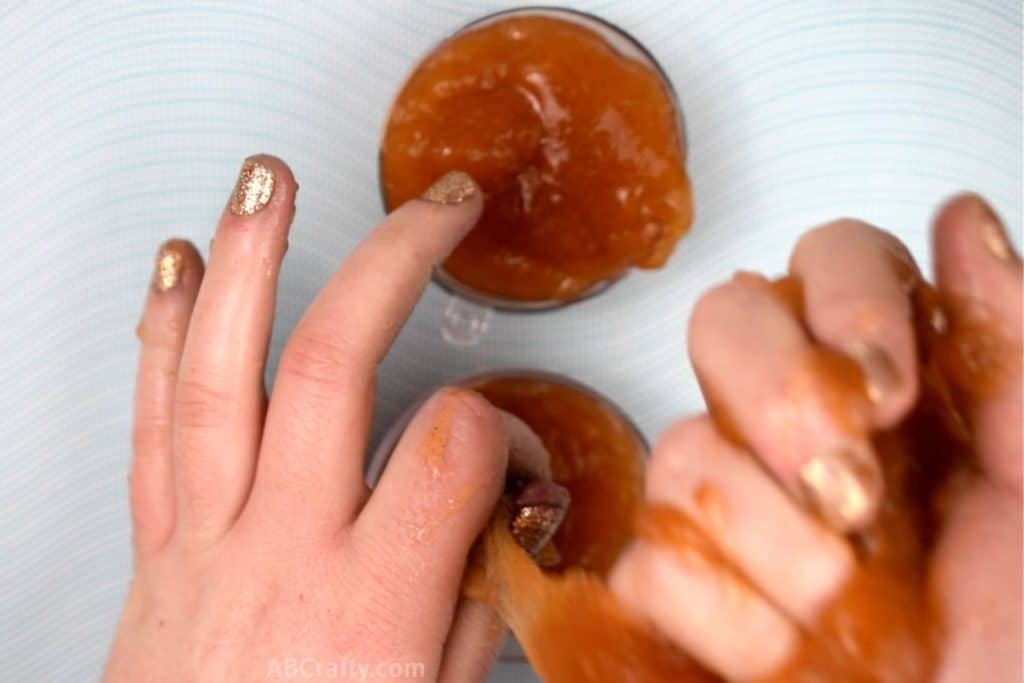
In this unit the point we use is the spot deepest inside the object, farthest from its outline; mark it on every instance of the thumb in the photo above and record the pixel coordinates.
(434, 498)
(478, 632)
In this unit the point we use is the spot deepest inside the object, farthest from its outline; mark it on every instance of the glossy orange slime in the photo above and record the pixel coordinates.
(577, 147)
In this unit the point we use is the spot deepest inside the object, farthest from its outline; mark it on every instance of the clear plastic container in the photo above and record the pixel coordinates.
(379, 458)
(468, 312)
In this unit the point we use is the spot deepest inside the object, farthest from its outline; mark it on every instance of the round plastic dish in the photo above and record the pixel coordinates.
(466, 321)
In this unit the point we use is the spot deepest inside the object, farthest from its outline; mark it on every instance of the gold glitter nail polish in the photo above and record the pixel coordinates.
(881, 378)
(453, 187)
(170, 265)
(995, 241)
(844, 486)
(253, 190)
(534, 525)
(537, 512)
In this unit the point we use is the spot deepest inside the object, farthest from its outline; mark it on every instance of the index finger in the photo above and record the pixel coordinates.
(319, 414)
(857, 282)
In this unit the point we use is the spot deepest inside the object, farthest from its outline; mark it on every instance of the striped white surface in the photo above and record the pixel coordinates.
(124, 122)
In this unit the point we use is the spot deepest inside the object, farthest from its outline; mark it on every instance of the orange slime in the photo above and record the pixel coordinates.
(577, 148)
(882, 627)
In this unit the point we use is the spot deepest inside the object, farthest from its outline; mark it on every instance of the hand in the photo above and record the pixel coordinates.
(257, 545)
(784, 565)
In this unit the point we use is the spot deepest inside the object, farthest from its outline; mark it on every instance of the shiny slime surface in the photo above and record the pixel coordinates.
(578, 150)
(881, 628)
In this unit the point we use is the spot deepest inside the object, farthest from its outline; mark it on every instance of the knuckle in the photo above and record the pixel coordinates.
(323, 361)
(679, 444)
(824, 238)
(150, 434)
(627, 577)
(162, 331)
(899, 401)
(713, 302)
(403, 254)
(477, 441)
(661, 469)
(844, 227)
(201, 402)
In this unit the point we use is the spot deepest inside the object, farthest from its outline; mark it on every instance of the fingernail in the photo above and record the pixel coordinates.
(995, 241)
(453, 187)
(938, 321)
(881, 378)
(537, 512)
(169, 267)
(253, 189)
(844, 486)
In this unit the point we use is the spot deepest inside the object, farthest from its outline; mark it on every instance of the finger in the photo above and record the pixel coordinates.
(980, 278)
(172, 293)
(318, 420)
(748, 518)
(856, 285)
(704, 608)
(220, 396)
(474, 643)
(478, 633)
(434, 498)
(976, 582)
(527, 456)
(793, 404)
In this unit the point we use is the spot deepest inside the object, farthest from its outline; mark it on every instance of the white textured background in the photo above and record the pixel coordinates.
(122, 123)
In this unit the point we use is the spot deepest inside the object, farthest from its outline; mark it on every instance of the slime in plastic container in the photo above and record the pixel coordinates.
(576, 142)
